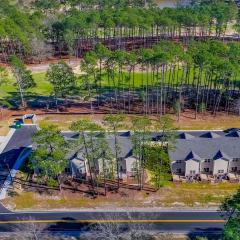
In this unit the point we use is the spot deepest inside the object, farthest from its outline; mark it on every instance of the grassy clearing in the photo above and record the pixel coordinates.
(173, 195)
(197, 194)
(207, 122)
(43, 88)
(187, 122)
(138, 80)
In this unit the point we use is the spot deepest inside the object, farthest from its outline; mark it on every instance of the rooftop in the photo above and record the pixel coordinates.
(208, 145)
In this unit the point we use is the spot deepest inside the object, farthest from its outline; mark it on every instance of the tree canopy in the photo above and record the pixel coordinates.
(63, 22)
(49, 157)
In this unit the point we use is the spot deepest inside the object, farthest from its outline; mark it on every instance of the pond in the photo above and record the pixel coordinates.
(171, 3)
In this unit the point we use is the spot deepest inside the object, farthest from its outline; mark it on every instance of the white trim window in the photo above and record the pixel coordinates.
(236, 159)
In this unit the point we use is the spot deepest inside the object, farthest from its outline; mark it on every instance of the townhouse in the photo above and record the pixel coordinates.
(78, 165)
(206, 153)
(195, 154)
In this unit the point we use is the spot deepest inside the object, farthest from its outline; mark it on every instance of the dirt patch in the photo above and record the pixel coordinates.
(74, 63)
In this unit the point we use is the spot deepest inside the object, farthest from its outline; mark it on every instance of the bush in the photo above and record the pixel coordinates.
(52, 182)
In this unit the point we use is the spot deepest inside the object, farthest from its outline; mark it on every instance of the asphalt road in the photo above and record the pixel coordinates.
(171, 221)
(175, 222)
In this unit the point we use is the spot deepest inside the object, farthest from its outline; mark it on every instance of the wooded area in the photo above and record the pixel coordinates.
(42, 29)
(137, 57)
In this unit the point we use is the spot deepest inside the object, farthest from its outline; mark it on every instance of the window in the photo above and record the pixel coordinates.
(220, 171)
(192, 172)
(134, 169)
(206, 170)
(234, 169)
(179, 170)
(236, 159)
(207, 160)
(179, 161)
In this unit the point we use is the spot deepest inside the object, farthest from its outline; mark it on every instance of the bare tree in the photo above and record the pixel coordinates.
(40, 49)
(3, 80)
(28, 229)
(118, 228)
(31, 229)
(237, 106)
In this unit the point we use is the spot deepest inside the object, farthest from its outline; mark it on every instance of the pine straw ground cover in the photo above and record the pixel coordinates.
(187, 122)
(173, 195)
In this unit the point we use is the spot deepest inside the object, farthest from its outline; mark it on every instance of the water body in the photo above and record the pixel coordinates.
(172, 3)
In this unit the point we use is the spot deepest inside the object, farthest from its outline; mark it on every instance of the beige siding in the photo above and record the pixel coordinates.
(130, 163)
(192, 166)
(219, 165)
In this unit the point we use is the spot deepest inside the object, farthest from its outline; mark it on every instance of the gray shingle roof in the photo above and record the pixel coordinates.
(221, 154)
(123, 138)
(125, 145)
(207, 146)
(196, 145)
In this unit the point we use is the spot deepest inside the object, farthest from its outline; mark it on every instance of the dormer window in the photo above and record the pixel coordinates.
(210, 135)
(236, 159)
(207, 160)
(186, 136)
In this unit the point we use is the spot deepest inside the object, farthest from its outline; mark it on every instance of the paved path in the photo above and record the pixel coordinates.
(14, 152)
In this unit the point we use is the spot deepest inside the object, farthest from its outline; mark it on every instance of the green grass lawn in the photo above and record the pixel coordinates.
(42, 88)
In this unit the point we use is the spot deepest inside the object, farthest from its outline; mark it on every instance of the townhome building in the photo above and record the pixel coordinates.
(211, 153)
(195, 154)
(78, 164)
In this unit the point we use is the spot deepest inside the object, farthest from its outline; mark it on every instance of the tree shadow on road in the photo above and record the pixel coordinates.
(68, 226)
(211, 233)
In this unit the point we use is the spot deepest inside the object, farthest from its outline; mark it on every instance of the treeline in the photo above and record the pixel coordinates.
(72, 25)
(165, 78)
(18, 31)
